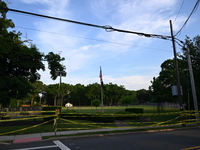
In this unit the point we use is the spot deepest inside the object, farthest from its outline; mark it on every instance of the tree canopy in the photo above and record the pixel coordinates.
(20, 62)
(161, 85)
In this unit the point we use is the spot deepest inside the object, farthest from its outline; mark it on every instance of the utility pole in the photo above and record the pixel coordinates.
(194, 95)
(176, 68)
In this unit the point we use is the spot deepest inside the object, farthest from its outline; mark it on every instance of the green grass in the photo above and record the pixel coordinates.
(115, 109)
(74, 124)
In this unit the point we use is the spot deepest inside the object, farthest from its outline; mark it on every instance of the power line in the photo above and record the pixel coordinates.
(179, 11)
(125, 44)
(106, 27)
(193, 10)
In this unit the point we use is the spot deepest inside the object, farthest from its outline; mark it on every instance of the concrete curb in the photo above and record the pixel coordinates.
(86, 133)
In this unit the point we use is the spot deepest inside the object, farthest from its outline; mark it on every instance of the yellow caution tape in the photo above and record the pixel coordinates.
(25, 128)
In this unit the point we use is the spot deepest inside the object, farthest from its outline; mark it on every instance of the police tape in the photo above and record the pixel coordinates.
(166, 121)
(98, 125)
(26, 128)
(87, 124)
(30, 118)
(175, 122)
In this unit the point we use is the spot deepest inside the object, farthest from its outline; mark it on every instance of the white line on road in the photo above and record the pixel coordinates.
(61, 145)
(42, 147)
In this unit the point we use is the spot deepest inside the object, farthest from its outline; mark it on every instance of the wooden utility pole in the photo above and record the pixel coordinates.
(177, 70)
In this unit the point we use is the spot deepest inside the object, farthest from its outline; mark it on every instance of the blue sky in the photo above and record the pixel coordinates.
(126, 59)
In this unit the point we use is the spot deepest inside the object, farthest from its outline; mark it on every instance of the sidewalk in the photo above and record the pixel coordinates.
(38, 136)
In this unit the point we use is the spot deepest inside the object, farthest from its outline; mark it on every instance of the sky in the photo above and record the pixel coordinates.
(126, 59)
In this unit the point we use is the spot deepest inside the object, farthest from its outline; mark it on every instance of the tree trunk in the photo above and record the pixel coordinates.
(55, 100)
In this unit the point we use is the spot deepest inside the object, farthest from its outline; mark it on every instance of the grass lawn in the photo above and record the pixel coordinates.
(115, 109)
(74, 124)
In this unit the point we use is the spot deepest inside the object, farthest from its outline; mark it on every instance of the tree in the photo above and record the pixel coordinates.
(93, 92)
(20, 63)
(126, 100)
(38, 87)
(78, 96)
(96, 103)
(52, 89)
(158, 92)
(54, 64)
(143, 95)
(194, 47)
(113, 93)
(65, 89)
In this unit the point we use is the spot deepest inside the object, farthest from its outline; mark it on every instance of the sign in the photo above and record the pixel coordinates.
(175, 90)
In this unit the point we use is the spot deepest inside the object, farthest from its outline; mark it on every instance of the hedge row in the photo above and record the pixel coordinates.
(92, 117)
(130, 113)
(135, 110)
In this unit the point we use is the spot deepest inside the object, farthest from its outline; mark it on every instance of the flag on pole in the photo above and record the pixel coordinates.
(101, 78)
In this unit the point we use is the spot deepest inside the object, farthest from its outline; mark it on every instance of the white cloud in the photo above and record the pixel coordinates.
(79, 58)
(46, 2)
(130, 82)
(148, 16)
(52, 7)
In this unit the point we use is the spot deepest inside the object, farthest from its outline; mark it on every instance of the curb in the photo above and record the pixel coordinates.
(111, 134)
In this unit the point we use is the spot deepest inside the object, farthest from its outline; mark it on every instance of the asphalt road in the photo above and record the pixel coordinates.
(168, 140)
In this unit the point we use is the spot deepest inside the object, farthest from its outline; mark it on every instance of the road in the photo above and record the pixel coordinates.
(188, 139)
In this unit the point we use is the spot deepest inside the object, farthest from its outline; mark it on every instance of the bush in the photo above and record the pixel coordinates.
(81, 116)
(86, 116)
(135, 110)
(102, 118)
(96, 103)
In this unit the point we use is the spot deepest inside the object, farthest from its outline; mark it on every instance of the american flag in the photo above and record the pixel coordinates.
(100, 76)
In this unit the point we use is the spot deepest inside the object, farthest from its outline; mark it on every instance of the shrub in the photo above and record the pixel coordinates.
(102, 118)
(81, 116)
(135, 110)
(96, 103)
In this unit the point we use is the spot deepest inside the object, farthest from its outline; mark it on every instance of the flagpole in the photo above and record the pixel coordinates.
(101, 83)
(102, 99)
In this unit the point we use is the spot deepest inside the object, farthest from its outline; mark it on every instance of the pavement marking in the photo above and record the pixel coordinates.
(191, 148)
(42, 147)
(58, 144)
(61, 145)
(27, 140)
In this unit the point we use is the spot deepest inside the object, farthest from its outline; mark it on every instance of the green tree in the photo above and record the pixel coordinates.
(54, 64)
(20, 63)
(52, 90)
(96, 103)
(78, 96)
(143, 95)
(65, 90)
(161, 86)
(113, 93)
(126, 100)
(93, 92)
(38, 87)
(193, 44)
